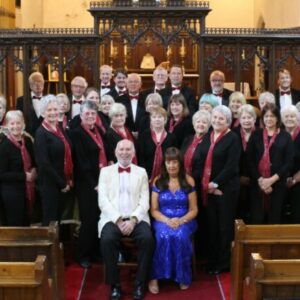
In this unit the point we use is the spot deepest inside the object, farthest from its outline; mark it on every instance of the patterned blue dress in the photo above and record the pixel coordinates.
(173, 254)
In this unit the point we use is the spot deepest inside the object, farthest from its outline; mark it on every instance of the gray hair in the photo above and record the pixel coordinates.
(88, 104)
(107, 97)
(266, 96)
(247, 108)
(224, 110)
(292, 109)
(117, 108)
(237, 96)
(155, 97)
(45, 101)
(13, 114)
(202, 114)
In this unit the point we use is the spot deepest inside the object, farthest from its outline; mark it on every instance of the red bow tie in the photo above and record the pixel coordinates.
(77, 101)
(36, 97)
(120, 169)
(105, 86)
(134, 97)
(219, 94)
(174, 88)
(282, 93)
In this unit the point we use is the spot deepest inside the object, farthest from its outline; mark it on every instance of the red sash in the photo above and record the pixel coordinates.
(174, 123)
(264, 163)
(27, 166)
(158, 156)
(68, 163)
(188, 156)
(127, 136)
(296, 132)
(208, 164)
(96, 137)
(243, 137)
(99, 123)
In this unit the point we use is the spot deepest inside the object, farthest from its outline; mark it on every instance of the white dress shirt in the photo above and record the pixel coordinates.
(134, 104)
(285, 100)
(125, 205)
(36, 103)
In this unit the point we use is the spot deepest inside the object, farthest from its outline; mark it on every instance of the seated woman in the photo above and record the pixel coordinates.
(236, 100)
(174, 209)
(201, 123)
(291, 120)
(17, 172)
(117, 131)
(271, 155)
(179, 122)
(153, 143)
(106, 102)
(208, 102)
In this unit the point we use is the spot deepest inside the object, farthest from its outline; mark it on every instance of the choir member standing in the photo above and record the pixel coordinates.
(54, 161)
(236, 100)
(17, 172)
(271, 155)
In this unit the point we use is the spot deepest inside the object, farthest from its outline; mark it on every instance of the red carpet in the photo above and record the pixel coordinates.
(203, 287)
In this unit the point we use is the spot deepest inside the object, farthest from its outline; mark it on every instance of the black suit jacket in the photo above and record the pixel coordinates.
(188, 94)
(225, 98)
(131, 124)
(32, 121)
(113, 92)
(295, 97)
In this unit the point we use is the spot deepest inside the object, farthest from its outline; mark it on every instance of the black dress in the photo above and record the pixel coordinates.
(182, 130)
(220, 209)
(49, 154)
(86, 175)
(146, 149)
(281, 159)
(13, 182)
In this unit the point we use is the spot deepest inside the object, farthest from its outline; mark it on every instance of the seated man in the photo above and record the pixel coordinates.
(124, 204)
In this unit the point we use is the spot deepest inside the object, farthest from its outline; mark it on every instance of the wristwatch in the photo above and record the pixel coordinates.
(215, 185)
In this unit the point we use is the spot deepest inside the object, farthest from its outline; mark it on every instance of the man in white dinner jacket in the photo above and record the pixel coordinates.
(124, 203)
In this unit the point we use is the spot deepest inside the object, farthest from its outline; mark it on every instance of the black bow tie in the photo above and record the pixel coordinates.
(105, 86)
(36, 97)
(282, 93)
(77, 101)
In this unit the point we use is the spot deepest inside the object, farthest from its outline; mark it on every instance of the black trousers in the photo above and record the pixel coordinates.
(89, 216)
(110, 246)
(220, 219)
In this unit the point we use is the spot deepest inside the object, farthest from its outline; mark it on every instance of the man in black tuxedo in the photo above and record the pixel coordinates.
(176, 79)
(160, 77)
(217, 79)
(78, 87)
(32, 116)
(134, 102)
(120, 78)
(105, 78)
(285, 95)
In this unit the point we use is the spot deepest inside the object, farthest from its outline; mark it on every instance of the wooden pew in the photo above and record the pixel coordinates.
(26, 243)
(273, 279)
(25, 280)
(271, 241)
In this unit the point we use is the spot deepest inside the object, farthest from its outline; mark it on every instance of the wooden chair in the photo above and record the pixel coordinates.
(271, 241)
(273, 279)
(26, 243)
(25, 280)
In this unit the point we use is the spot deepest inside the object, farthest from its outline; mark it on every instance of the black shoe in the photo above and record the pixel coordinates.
(221, 270)
(210, 269)
(85, 263)
(115, 292)
(138, 293)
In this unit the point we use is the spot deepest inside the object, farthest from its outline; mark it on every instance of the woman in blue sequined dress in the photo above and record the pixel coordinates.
(173, 208)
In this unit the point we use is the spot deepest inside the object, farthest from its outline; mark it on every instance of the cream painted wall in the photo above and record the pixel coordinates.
(277, 13)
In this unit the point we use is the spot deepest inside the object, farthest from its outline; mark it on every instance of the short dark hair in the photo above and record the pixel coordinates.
(121, 71)
(274, 110)
(162, 182)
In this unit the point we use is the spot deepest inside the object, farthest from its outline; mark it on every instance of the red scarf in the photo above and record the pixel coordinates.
(99, 123)
(173, 124)
(243, 137)
(188, 156)
(158, 156)
(264, 163)
(68, 163)
(296, 132)
(27, 166)
(96, 137)
(127, 136)
(208, 164)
